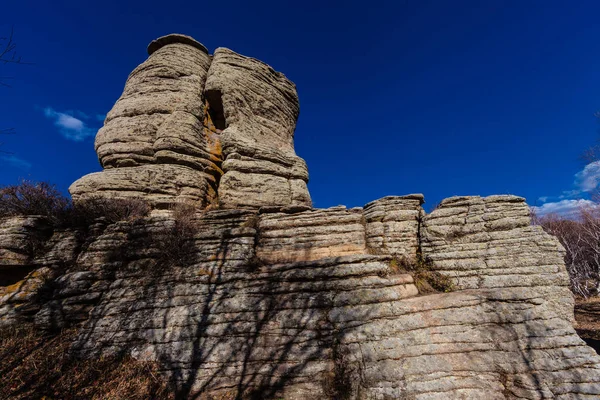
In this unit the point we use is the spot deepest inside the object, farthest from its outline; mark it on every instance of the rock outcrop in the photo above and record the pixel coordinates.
(265, 297)
(200, 129)
(258, 308)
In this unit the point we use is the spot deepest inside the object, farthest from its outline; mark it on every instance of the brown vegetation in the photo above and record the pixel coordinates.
(33, 198)
(41, 198)
(35, 366)
(426, 278)
(175, 242)
(581, 240)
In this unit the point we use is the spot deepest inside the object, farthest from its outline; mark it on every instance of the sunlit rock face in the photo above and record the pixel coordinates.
(301, 304)
(260, 110)
(206, 130)
(260, 295)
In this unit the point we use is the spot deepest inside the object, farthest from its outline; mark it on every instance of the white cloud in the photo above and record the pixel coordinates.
(566, 208)
(588, 178)
(569, 194)
(585, 181)
(70, 127)
(16, 161)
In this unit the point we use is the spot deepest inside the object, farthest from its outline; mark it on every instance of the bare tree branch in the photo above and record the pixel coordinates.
(8, 52)
(8, 55)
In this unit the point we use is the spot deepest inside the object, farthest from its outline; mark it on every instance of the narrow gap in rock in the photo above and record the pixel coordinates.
(215, 109)
(11, 275)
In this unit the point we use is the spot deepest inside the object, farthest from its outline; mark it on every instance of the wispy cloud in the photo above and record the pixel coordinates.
(570, 194)
(100, 117)
(16, 161)
(570, 201)
(566, 208)
(588, 178)
(70, 124)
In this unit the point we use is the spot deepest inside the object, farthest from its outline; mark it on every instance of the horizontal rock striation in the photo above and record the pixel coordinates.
(246, 291)
(392, 225)
(490, 243)
(296, 304)
(260, 109)
(310, 235)
(200, 129)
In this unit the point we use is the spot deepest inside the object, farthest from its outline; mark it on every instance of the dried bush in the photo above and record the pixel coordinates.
(33, 198)
(426, 278)
(41, 198)
(175, 244)
(581, 240)
(85, 212)
(36, 366)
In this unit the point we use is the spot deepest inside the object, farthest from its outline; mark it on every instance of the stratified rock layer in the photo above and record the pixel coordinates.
(490, 243)
(268, 298)
(310, 304)
(392, 225)
(260, 108)
(200, 129)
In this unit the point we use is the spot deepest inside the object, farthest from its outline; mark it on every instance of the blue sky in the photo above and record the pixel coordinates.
(438, 97)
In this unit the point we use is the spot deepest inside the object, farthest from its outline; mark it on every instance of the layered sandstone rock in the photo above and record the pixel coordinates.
(201, 129)
(31, 252)
(265, 297)
(308, 304)
(392, 225)
(490, 243)
(260, 109)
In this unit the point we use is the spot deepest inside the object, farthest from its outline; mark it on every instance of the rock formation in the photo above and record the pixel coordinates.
(266, 297)
(190, 127)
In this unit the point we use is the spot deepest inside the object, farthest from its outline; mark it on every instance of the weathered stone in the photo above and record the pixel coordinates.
(490, 243)
(292, 305)
(260, 109)
(161, 185)
(269, 298)
(225, 115)
(19, 236)
(392, 225)
(155, 143)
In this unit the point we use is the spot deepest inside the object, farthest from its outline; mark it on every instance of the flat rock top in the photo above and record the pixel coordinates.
(175, 38)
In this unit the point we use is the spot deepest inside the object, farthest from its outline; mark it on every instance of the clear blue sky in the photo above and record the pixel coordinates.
(439, 97)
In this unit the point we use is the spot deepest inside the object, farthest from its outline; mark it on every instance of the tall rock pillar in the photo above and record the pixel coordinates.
(258, 109)
(201, 129)
(154, 144)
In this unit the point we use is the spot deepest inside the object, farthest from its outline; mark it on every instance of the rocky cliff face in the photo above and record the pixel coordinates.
(265, 297)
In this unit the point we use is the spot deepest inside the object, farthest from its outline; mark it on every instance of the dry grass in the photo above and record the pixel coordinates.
(39, 367)
(426, 278)
(587, 316)
(176, 243)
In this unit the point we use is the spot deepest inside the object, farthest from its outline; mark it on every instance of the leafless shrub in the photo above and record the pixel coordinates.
(176, 242)
(581, 240)
(42, 198)
(33, 198)
(87, 211)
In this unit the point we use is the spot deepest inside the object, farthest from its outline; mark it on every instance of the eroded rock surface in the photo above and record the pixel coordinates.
(260, 107)
(200, 129)
(261, 296)
(308, 304)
